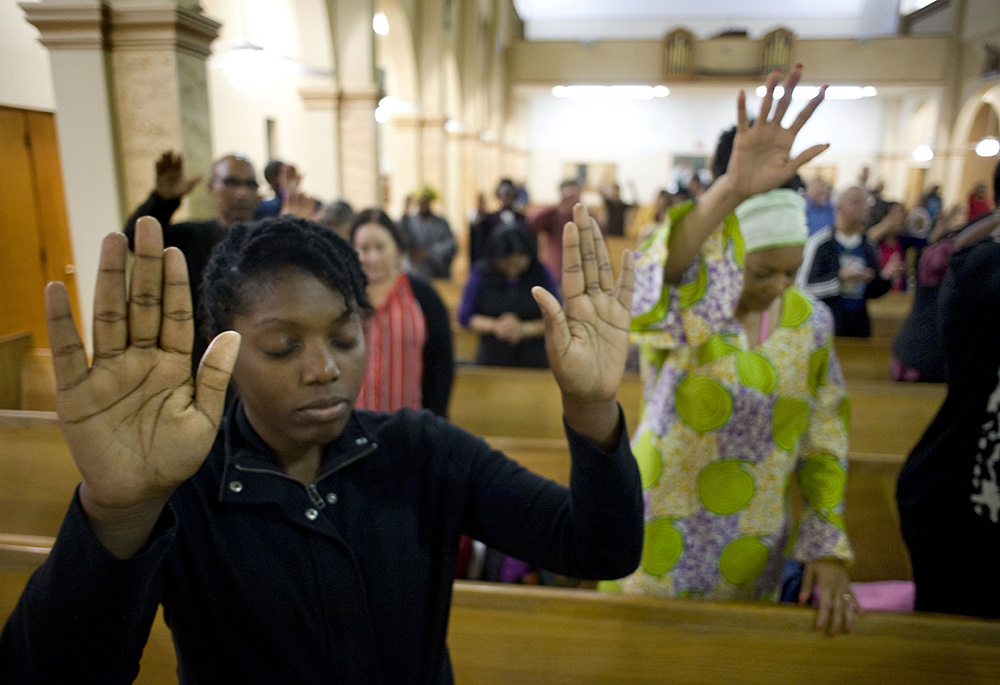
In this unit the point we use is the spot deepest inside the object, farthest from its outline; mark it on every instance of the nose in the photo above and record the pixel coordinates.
(319, 364)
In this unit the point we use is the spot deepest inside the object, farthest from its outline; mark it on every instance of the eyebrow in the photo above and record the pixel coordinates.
(263, 323)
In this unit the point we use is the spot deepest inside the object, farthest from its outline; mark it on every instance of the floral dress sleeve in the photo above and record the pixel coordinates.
(667, 316)
(822, 464)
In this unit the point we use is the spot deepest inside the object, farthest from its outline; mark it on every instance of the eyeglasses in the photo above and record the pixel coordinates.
(233, 183)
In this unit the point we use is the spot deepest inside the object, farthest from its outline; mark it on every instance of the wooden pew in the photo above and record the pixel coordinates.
(888, 312)
(12, 350)
(864, 358)
(886, 417)
(488, 400)
(504, 634)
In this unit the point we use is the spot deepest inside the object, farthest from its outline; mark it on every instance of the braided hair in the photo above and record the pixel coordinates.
(250, 252)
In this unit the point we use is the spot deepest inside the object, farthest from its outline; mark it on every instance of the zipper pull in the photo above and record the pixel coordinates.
(314, 495)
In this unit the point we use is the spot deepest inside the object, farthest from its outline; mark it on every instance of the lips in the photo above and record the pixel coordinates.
(324, 409)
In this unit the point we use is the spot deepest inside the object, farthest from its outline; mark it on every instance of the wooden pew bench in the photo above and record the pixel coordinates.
(864, 358)
(509, 634)
(886, 417)
(12, 350)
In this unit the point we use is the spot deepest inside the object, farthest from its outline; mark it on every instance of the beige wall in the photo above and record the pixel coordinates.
(29, 85)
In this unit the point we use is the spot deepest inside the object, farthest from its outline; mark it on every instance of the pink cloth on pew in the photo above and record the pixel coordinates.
(885, 595)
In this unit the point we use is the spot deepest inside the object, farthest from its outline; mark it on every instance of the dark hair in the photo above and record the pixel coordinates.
(509, 240)
(374, 215)
(272, 170)
(506, 182)
(250, 252)
(337, 213)
(724, 150)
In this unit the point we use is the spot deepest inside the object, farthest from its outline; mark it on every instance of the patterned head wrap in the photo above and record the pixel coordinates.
(773, 219)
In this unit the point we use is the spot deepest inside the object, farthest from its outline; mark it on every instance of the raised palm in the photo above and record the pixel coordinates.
(136, 423)
(587, 338)
(761, 152)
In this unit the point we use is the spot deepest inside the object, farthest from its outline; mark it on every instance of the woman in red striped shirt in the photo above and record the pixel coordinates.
(408, 338)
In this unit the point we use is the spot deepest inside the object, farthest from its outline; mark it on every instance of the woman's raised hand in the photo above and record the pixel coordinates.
(136, 423)
(586, 339)
(760, 159)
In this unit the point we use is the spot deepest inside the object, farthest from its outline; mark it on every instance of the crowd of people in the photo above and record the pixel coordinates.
(272, 482)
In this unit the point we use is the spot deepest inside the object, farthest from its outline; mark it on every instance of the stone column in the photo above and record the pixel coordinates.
(406, 159)
(75, 37)
(358, 143)
(158, 55)
(323, 105)
(434, 160)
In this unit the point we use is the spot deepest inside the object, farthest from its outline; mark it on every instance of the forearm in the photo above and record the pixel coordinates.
(687, 237)
(85, 615)
(155, 206)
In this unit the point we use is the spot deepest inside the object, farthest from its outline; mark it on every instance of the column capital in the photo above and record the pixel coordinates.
(365, 95)
(69, 25)
(320, 98)
(162, 25)
(436, 121)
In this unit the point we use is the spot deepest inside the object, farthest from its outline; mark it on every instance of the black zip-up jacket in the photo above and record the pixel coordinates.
(346, 580)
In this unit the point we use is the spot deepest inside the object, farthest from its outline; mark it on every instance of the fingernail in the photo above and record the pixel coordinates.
(798, 66)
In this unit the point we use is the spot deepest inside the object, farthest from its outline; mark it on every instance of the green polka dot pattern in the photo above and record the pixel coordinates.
(796, 309)
(822, 480)
(702, 403)
(661, 548)
(716, 347)
(819, 362)
(789, 422)
(743, 560)
(695, 290)
(845, 413)
(755, 371)
(648, 458)
(725, 487)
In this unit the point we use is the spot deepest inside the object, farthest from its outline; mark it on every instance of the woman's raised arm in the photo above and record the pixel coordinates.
(136, 423)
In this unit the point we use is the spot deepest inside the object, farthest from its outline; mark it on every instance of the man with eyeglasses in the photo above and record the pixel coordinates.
(233, 188)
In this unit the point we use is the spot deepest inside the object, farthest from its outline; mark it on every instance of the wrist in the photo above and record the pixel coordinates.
(598, 420)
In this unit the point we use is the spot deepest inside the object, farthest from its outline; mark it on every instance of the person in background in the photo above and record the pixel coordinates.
(931, 201)
(497, 302)
(615, 210)
(949, 487)
(410, 362)
(338, 216)
(742, 388)
(979, 203)
(296, 538)
(841, 268)
(547, 224)
(232, 186)
(432, 245)
(819, 210)
(279, 178)
(488, 223)
(887, 236)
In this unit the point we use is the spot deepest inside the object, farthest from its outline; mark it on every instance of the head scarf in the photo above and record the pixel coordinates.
(773, 219)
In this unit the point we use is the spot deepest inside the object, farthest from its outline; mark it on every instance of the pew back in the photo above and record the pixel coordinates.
(12, 350)
(504, 634)
(886, 417)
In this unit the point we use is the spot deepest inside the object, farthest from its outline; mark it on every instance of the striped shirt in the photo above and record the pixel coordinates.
(394, 340)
